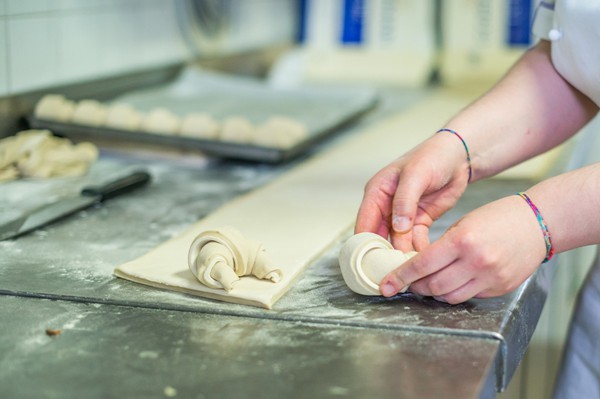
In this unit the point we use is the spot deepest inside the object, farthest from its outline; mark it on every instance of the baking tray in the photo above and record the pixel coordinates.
(323, 110)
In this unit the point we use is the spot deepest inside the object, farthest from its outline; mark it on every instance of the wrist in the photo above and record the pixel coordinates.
(454, 139)
(543, 229)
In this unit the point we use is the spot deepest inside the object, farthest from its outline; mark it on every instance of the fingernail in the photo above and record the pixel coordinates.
(388, 290)
(400, 224)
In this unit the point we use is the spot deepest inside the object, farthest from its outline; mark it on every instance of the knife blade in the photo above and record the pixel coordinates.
(89, 196)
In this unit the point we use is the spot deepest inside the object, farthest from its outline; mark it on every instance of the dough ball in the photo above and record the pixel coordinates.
(280, 132)
(90, 112)
(54, 107)
(237, 130)
(124, 117)
(36, 153)
(200, 125)
(161, 121)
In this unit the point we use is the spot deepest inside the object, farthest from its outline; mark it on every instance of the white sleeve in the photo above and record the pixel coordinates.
(543, 21)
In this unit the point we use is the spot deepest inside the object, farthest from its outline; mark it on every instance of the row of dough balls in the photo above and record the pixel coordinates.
(276, 132)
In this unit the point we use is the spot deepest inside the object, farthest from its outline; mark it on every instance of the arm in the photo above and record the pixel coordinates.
(531, 110)
(493, 249)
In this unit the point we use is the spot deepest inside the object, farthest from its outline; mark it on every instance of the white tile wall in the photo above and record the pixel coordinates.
(47, 43)
(3, 56)
(52, 42)
(58, 5)
(80, 45)
(16, 7)
(33, 56)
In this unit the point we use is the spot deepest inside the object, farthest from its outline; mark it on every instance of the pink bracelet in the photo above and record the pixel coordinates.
(543, 225)
(466, 149)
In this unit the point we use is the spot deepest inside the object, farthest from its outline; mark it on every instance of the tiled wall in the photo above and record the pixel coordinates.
(44, 43)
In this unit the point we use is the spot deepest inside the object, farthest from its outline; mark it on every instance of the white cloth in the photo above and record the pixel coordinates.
(573, 27)
(579, 376)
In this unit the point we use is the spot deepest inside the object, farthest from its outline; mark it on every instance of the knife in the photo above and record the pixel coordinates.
(90, 195)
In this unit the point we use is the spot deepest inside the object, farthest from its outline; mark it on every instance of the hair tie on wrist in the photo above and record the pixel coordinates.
(466, 148)
(544, 227)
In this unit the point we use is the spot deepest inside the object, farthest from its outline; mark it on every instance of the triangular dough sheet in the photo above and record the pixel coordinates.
(303, 212)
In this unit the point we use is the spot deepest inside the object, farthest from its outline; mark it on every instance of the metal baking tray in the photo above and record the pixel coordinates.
(323, 111)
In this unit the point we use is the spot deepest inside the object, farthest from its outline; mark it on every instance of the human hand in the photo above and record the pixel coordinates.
(487, 253)
(403, 199)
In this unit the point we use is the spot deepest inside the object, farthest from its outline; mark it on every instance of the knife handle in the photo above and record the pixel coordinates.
(117, 187)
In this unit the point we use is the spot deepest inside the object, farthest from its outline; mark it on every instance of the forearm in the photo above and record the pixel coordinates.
(570, 205)
(531, 110)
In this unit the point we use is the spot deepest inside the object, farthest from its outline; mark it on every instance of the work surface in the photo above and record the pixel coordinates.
(123, 339)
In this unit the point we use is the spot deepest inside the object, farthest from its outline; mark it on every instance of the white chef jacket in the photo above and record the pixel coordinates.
(573, 27)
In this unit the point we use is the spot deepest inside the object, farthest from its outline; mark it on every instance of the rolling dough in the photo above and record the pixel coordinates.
(200, 126)
(36, 153)
(237, 130)
(366, 258)
(280, 132)
(161, 121)
(54, 107)
(89, 112)
(124, 117)
(218, 258)
(299, 215)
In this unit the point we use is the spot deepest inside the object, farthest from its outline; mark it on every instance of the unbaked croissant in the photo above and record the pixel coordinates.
(366, 258)
(218, 258)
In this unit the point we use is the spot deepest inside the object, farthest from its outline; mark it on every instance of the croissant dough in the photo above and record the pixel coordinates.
(37, 153)
(366, 258)
(218, 258)
(302, 213)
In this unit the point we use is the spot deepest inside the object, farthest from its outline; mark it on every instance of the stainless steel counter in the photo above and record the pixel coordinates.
(320, 340)
(107, 351)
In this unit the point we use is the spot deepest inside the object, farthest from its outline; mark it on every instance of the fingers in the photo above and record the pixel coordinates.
(420, 237)
(416, 239)
(374, 214)
(370, 218)
(406, 199)
(462, 294)
(442, 282)
(402, 241)
(437, 256)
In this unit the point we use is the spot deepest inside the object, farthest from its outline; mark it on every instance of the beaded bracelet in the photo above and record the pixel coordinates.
(540, 219)
(466, 148)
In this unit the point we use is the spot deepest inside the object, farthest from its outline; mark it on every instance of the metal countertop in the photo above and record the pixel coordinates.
(330, 340)
(108, 351)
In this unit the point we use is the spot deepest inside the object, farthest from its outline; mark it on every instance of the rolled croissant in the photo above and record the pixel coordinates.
(366, 258)
(218, 258)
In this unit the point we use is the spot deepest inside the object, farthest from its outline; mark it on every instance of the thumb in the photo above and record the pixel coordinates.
(405, 202)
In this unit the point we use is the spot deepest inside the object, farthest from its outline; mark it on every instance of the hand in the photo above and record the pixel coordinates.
(487, 253)
(402, 200)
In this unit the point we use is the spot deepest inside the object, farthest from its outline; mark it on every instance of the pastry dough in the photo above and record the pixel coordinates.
(161, 121)
(124, 117)
(366, 258)
(201, 126)
(218, 258)
(54, 107)
(237, 130)
(36, 153)
(280, 132)
(302, 213)
(90, 112)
